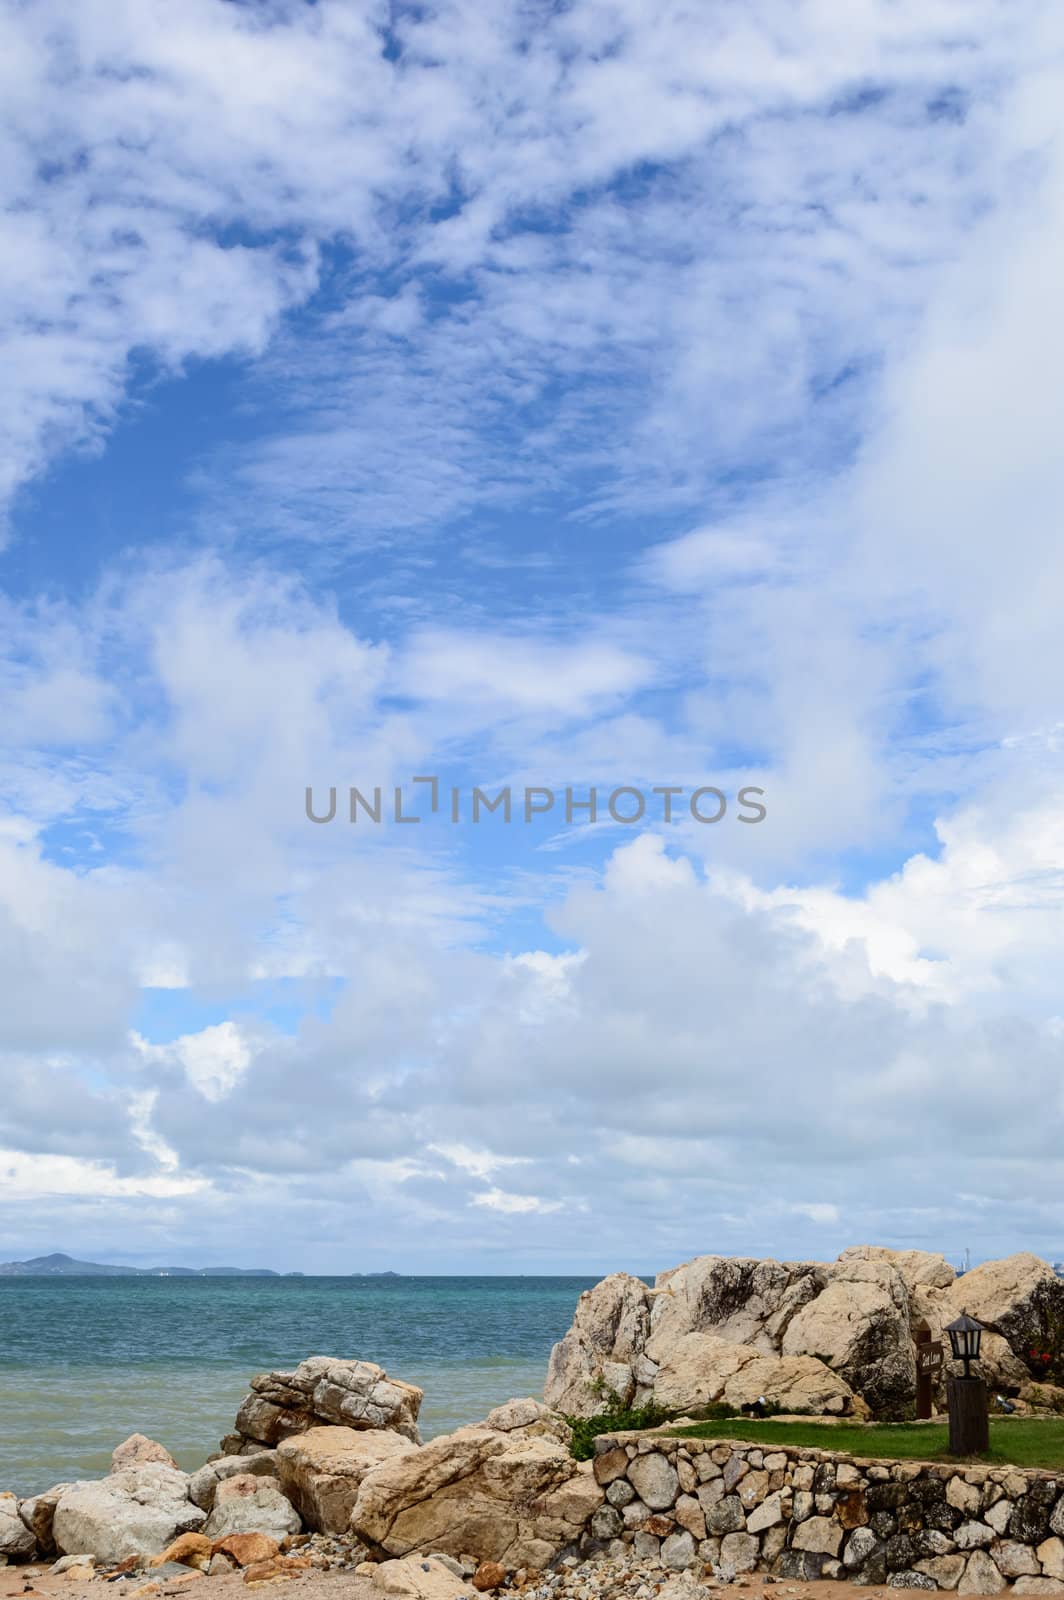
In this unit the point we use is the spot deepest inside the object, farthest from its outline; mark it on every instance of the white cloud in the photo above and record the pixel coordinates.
(213, 1060)
(515, 1204)
(821, 260)
(43, 1178)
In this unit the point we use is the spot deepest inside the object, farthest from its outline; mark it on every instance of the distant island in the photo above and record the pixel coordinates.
(62, 1266)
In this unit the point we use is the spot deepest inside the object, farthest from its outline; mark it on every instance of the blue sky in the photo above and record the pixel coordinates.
(535, 396)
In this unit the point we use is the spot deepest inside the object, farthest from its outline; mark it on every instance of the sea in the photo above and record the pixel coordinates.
(86, 1361)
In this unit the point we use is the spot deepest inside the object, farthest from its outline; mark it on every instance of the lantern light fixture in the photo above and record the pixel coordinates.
(965, 1337)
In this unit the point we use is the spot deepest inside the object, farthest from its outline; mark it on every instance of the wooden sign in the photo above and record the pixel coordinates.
(929, 1357)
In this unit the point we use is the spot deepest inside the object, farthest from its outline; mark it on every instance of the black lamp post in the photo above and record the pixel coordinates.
(969, 1429)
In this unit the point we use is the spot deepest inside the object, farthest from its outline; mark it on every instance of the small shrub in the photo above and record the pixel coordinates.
(615, 1418)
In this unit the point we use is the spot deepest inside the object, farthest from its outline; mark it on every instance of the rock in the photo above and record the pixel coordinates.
(973, 1535)
(17, 1540)
(1015, 1298)
(249, 1504)
(221, 1565)
(413, 1578)
(320, 1471)
(741, 1300)
(804, 1565)
(605, 1524)
(38, 1514)
(1015, 1560)
(279, 1570)
(997, 1516)
(189, 1549)
(655, 1480)
(702, 1368)
(323, 1390)
(1032, 1514)
(821, 1535)
(946, 1570)
(67, 1563)
(767, 1514)
(137, 1450)
(860, 1324)
(1050, 1555)
(726, 1516)
(739, 1551)
(517, 1497)
(531, 1417)
(859, 1546)
(1001, 1368)
(919, 1268)
(678, 1551)
(246, 1549)
(204, 1482)
(135, 1512)
(610, 1464)
(489, 1575)
(610, 1328)
(911, 1580)
(1038, 1586)
(689, 1514)
(980, 1576)
(836, 1339)
(964, 1496)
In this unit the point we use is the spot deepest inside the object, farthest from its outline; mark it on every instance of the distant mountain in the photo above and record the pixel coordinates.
(60, 1266)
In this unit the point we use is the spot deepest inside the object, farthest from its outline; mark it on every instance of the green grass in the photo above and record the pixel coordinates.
(1017, 1441)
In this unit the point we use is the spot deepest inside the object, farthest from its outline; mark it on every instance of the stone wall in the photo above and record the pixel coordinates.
(802, 1513)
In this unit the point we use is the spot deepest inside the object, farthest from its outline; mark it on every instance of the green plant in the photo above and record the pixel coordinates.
(1045, 1356)
(615, 1417)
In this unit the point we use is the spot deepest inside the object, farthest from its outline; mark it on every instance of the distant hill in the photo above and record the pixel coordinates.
(60, 1266)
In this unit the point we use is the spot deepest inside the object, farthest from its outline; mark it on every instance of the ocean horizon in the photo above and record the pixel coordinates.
(85, 1361)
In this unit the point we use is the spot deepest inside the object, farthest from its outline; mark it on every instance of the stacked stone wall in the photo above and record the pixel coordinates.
(805, 1513)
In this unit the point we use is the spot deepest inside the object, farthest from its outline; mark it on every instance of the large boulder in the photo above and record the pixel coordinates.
(744, 1301)
(250, 1504)
(135, 1512)
(859, 1326)
(1020, 1298)
(323, 1389)
(320, 1471)
(17, 1541)
(851, 1324)
(920, 1269)
(702, 1368)
(38, 1514)
(603, 1347)
(508, 1494)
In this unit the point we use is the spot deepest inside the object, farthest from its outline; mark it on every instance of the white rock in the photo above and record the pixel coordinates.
(17, 1541)
(135, 1512)
(247, 1504)
(981, 1576)
(655, 1480)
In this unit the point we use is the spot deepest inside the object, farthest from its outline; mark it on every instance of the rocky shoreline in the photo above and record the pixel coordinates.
(324, 1469)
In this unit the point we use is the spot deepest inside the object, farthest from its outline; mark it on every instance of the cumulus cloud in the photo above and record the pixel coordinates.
(751, 388)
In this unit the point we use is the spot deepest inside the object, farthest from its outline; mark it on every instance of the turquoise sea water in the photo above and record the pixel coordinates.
(84, 1362)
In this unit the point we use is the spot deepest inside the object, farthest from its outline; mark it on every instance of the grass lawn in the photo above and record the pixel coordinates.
(1019, 1441)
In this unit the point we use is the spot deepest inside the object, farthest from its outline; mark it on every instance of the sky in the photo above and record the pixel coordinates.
(550, 396)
